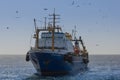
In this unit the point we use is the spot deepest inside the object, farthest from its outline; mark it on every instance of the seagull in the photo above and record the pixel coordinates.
(17, 14)
(78, 5)
(16, 11)
(7, 27)
(73, 3)
(97, 44)
(45, 9)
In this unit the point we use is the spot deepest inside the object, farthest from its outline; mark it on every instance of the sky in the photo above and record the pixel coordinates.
(97, 21)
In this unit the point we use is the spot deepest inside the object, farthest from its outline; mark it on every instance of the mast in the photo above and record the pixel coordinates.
(36, 34)
(45, 22)
(53, 28)
(53, 31)
(74, 33)
(84, 48)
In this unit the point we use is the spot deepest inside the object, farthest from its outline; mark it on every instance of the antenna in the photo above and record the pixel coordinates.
(35, 24)
(75, 32)
(54, 18)
(36, 35)
(72, 33)
(45, 9)
(45, 21)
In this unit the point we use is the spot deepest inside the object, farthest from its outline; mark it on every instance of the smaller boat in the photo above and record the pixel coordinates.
(55, 52)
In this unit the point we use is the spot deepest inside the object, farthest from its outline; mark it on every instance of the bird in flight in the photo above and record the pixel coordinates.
(73, 3)
(78, 5)
(7, 27)
(16, 11)
(45, 9)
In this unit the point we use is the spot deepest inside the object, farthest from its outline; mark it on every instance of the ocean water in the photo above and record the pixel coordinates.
(101, 67)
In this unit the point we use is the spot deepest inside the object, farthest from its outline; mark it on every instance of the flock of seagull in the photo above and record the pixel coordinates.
(73, 3)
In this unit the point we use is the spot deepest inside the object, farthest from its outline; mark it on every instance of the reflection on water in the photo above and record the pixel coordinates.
(65, 77)
(38, 77)
(99, 68)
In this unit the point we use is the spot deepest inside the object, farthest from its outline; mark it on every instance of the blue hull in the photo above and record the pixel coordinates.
(53, 64)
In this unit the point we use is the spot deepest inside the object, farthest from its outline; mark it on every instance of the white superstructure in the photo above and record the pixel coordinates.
(60, 41)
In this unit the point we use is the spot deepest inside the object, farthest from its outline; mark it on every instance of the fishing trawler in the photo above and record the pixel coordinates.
(55, 52)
